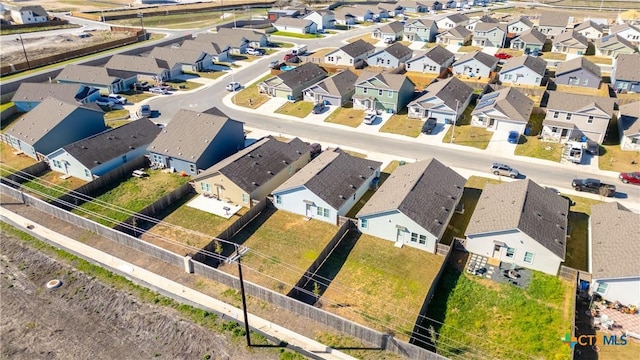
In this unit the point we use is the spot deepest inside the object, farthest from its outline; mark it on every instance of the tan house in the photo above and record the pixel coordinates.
(570, 42)
(253, 173)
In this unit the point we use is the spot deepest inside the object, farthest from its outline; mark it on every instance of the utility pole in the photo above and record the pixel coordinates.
(242, 294)
(141, 15)
(455, 119)
(24, 51)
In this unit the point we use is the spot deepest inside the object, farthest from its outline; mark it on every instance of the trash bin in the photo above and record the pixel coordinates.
(402, 162)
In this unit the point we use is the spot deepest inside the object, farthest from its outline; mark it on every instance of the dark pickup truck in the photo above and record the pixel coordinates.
(593, 186)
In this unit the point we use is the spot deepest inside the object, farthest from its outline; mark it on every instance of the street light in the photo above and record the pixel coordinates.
(24, 51)
(236, 257)
(141, 15)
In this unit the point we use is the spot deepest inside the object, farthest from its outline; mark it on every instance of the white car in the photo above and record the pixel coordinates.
(118, 99)
(233, 86)
(370, 118)
(158, 90)
(105, 101)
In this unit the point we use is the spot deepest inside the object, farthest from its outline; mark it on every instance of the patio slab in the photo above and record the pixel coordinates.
(214, 206)
(497, 271)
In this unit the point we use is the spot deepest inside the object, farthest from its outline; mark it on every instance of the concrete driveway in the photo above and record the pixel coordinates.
(499, 144)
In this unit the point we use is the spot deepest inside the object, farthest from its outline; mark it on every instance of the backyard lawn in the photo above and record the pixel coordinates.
(469, 48)
(347, 116)
(420, 80)
(379, 285)
(603, 91)
(554, 56)
(298, 109)
(578, 242)
(131, 195)
(282, 246)
(250, 97)
(11, 163)
(480, 316)
(116, 114)
(604, 60)
(466, 134)
(401, 124)
(533, 147)
(50, 184)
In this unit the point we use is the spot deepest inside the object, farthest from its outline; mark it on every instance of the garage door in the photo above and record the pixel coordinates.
(510, 126)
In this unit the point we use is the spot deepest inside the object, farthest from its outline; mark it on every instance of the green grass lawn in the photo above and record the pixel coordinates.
(366, 38)
(401, 124)
(468, 135)
(116, 114)
(117, 123)
(250, 97)
(10, 162)
(51, 185)
(182, 85)
(133, 194)
(6, 31)
(208, 74)
(531, 146)
(629, 351)
(578, 242)
(298, 109)
(615, 159)
(285, 45)
(379, 285)
(347, 116)
(189, 20)
(296, 35)
(136, 97)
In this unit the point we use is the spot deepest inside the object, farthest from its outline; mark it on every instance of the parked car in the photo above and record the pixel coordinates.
(315, 149)
(503, 56)
(274, 64)
(158, 90)
(370, 118)
(630, 178)
(504, 170)
(255, 52)
(233, 86)
(118, 99)
(291, 58)
(429, 126)
(318, 108)
(105, 101)
(144, 111)
(593, 186)
(389, 40)
(142, 86)
(513, 137)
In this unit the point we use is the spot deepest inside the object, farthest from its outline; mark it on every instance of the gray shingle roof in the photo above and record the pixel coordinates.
(289, 21)
(392, 81)
(426, 191)
(614, 41)
(511, 102)
(208, 47)
(589, 24)
(137, 64)
(549, 18)
(259, 163)
(626, 67)
(457, 18)
(357, 48)
(438, 54)
(524, 205)
(486, 26)
(571, 39)
(87, 75)
(70, 93)
(176, 56)
(523, 20)
(630, 118)
(616, 28)
(232, 39)
(334, 176)
(392, 27)
(538, 65)
(339, 84)
(533, 36)
(188, 135)
(110, 144)
(573, 102)
(398, 50)
(248, 34)
(459, 32)
(486, 59)
(615, 241)
(577, 63)
(301, 75)
(449, 91)
(44, 117)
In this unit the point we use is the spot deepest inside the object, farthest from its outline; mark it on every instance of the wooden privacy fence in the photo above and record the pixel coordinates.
(27, 174)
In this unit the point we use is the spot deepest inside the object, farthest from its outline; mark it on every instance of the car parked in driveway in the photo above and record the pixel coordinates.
(504, 170)
(104, 101)
(630, 178)
(233, 86)
(255, 52)
(370, 118)
(158, 90)
(144, 111)
(503, 56)
(513, 137)
(318, 108)
(118, 99)
(429, 126)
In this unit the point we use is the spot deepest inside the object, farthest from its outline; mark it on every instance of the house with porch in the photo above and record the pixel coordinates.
(216, 52)
(392, 30)
(451, 21)
(520, 223)
(529, 41)
(519, 26)
(475, 63)
(350, 54)
(412, 7)
(393, 9)
(29, 95)
(414, 205)
(255, 39)
(629, 126)
(553, 23)
(578, 72)
(324, 19)
(624, 74)
(626, 31)
(23, 15)
(194, 141)
(459, 35)
(186, 60)
(53, 124)
(145, 68)
(489, 34)
(234, 41)
(295, 25)
(444, 100)
(434, 61)
(503, 110)
(342, 16)
(420, 30)
(290, 84)
(336, 90)
(590, 29)
(382, 91)
(570, 42)
(523, 70)
(363, 13)
(471, 26)
(614, 45)
(613, 253)
(390, 57)
(96, 155)
(107, 81)
(253, 173)
(573, 116)
(328, 187)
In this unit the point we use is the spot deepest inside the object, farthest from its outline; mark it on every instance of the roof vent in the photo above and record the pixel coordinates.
(270, 172)
(285, 162)
(249, 155)
(352, 186)
(84, 147)
(254, 183)
(341, 197)
(445, 209)
(133, 136)
(97, 162)
(436, 221)
(361, 177)
(131, 147)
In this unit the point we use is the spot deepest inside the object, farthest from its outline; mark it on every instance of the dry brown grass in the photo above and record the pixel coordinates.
(401, 124)
(421, 80)
(10, 162)
(603, 91)
(615, 159)
(366, 37)
(347, 116)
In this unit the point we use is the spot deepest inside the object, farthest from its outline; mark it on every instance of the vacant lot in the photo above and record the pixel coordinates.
(401, 124)
(250, 96)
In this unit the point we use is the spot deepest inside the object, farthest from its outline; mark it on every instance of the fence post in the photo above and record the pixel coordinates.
(188, 264)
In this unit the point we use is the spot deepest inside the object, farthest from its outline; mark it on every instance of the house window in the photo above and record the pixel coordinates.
(555, 114)
(245, 198)
(205, 187)
(569, 116)
(278, 199)
(537, 80)
(422, 240)
(363, 223)
(528, 257)
(319, 211)
(364, 90)
(510, 252)
(350, 61)
(379, 92)
(192, 168)
(326, 213)
(414, 237)
(602, 288)
(585, 81)
(408, 65)
(57, 164)
(87, 173)
(330, 58)
(590, 120)
(388, 61)
(390, 94)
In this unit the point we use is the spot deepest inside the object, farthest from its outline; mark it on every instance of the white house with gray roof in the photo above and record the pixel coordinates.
(578, 72)
(29, 95)
(451, 20)
(107, 81)
(614, 253)
(520, 223)
(393, 9)
(414, 205)
(295, 25)
(392, 30)
(336, 90)
(529, 41)
(625, 75)
(390, 57)
(217, 53)
(626, 31)
(434, 61)
(475, 63)
(629, 126)
(570, 42)
(519, 26)
(503, 110)
(324, 19)
(144, 67)
(459, 35)
(31, 14)
(553, 23)
(572, 116)
(183, 59)
(350, 54)
(523, 70)
(254, 38)
(614, 45)
(328, 187)
(489, 34)
(444, 100)
(590, 29)
(290, 84)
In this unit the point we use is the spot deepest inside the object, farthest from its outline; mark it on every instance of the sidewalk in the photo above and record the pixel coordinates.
(112, 263)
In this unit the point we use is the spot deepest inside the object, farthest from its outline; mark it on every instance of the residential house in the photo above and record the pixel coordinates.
(420, 30)
(144, 67)
(362, 13)
(324, 19)
(96, 155)
(624, 74)
(253, 173)
(614, 45)
(378, 12)
(475, 63)
(459, 35)
(255, 39)
(471, 25)
(289, 84)
(328, 187)
(590, 29)
(382, 91)
(414, 205)
(629, 126)
(342, 16)
(433, 5)
(572, 116)
(390, 57)
(578, 72)
(570, 42)
(393, 9)
(107, 81)
(434, 61)
(29, 95)
(626, 31)
(520, 223)
(519, 26)
(489, 34)
(217, 52)
(392, 30)
(444, 100)
(451, 21)
(22, 15)
(194, 141)
(523, 70)
(295, 25)
(184, 59)
(412, 7)
(503, 110)
(236, 42)
(613, 256)
(350, 54)
(336, 90)
(53, 124)
(274, 14)
(553, 23)
(530, 41)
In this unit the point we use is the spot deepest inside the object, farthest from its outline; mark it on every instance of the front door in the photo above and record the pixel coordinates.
(400, 236)
(492, 122)
(564, 132)
(308, 210)
(496, 251)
